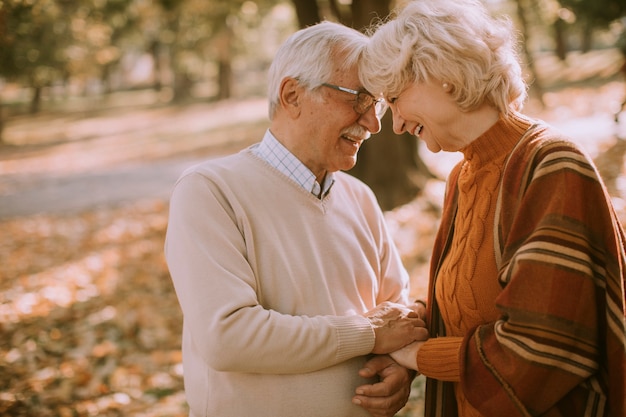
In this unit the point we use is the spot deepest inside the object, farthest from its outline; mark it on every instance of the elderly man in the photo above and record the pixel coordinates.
(286, 274)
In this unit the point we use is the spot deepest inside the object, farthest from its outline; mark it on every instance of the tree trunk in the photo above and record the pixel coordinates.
(35, 102)
(536, 83)
(155, 52)
(182, 79)
(105, 79)
(559, 38)
(224, 46)
(224, 77)
(182, 85)
(307, 11)
(366, 12)
(1, 123)
(587, 37)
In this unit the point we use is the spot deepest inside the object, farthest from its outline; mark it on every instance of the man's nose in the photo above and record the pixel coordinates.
(370, 121)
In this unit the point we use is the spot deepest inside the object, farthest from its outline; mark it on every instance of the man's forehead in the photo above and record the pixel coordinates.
(347, 77)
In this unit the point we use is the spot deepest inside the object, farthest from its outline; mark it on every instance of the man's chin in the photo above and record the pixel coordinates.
(348, 164)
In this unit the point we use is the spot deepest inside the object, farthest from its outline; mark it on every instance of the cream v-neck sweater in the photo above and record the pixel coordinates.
(273, 283)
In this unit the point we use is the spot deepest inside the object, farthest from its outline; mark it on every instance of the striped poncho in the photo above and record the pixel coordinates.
(558, 347)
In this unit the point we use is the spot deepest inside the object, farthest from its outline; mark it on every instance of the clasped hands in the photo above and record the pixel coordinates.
(396, 325)
(398, 329)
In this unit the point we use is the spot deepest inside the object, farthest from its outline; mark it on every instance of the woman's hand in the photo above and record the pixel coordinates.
(407, 356)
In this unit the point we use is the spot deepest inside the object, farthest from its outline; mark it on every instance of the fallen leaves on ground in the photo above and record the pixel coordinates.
(90, 322)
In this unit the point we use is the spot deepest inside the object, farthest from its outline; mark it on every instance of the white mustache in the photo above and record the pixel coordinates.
(356, 131)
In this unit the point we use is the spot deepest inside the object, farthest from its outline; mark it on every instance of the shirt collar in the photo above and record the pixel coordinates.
(275, 154)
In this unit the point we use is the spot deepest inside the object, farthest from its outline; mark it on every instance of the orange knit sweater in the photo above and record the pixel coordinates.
(466, 288)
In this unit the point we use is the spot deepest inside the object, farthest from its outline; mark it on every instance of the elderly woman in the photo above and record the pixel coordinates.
(526, 292)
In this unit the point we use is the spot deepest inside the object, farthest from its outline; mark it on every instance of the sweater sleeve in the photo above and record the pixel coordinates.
(438, 358)
(559, 253)
(216, 286)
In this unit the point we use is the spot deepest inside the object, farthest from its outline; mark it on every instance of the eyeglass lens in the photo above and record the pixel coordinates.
(364, 101)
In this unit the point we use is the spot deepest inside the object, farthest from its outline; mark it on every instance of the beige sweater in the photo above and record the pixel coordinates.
(273, 283)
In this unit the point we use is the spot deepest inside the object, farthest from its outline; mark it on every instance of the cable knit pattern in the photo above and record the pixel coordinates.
(466, 285)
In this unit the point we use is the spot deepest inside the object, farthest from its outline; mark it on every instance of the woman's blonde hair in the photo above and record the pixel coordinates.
(456, 42)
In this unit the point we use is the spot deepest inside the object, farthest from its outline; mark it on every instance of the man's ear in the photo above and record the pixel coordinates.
(290, 96)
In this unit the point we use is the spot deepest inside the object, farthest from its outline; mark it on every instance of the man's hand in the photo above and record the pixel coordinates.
(395, 326)
(384, 398)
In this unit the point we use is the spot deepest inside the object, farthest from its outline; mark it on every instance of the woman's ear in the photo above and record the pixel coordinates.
(290, 96)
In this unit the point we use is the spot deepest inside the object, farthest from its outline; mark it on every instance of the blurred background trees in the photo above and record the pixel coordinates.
(52, 51)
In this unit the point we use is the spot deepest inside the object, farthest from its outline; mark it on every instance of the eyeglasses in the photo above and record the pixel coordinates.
(363, 101)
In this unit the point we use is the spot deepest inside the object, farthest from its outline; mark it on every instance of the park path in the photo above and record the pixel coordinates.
(118, 157)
